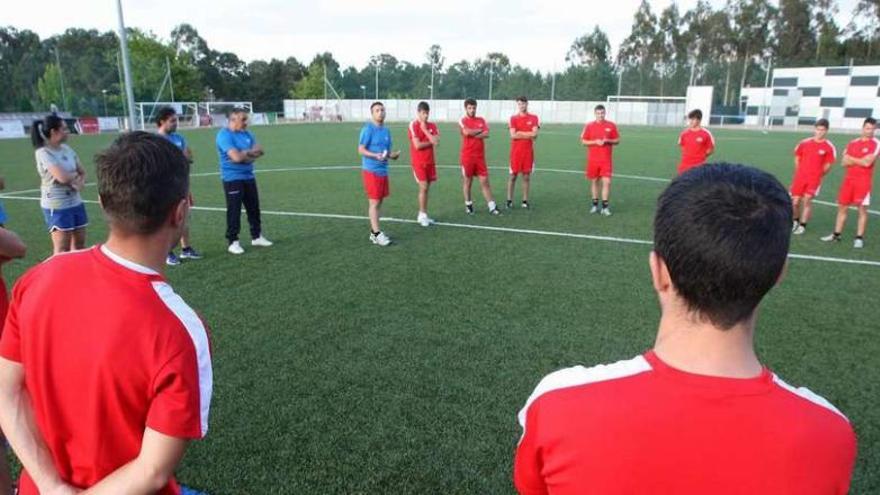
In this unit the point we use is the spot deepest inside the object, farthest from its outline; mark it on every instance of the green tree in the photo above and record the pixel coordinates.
(795, 36)
(49, 87)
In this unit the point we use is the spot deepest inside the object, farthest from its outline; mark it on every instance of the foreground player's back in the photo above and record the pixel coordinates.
(641, 426)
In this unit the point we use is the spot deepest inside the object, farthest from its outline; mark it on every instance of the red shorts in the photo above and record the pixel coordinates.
(854, 193)
(474, 166)
(376, 186)
(522, 163)
(805, 186)
(599, 169)
(425, 173)
(684, 167)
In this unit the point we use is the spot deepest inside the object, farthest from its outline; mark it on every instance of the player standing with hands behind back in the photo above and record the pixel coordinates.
(600, 137)
(374, 146)
(523, 133)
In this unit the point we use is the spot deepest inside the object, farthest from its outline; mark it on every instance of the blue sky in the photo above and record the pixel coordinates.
(533, 34)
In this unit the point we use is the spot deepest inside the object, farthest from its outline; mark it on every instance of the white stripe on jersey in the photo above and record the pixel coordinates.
(578, 375)
(808, 394)
(711, 137)
(199, 336)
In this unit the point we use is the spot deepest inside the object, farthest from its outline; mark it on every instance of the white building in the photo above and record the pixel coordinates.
(798, 96)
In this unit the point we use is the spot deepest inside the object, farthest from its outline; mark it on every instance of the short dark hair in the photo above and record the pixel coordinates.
(522, 99)
(236, 110)
(376, 104)
(870, 120)
(141, 178)
(599, 107)
(822, 123)
(42, 129)
(164, 114)
(470, 101)
(424, 107)
(723, 231)
(696, 114)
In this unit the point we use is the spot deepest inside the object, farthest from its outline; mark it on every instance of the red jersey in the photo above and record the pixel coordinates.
(472, 148)
(523, 123)
(424, 156)
(108, 349)
(600, 130)
(861, 148)
(813, 156)
(641, 426)
(695, 146)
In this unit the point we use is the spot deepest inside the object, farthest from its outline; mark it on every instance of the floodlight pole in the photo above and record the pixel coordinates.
(61, 77)
(377, 80)
(432, 81)
(126, 66)
(170, 80)
(491, 74)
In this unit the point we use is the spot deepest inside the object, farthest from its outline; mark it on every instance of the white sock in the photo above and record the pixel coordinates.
(469, 203)
(492, 205)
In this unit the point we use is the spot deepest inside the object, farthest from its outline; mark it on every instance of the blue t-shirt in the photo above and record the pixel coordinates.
(176, 139)
(376, 140)
(228, 140)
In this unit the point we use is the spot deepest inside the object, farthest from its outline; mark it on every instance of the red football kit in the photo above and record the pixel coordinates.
(812, 156)
(522, 151)
(473, 150)
(599, 157)
(695, 146)
(857, 183)
(423, 165)
(108, 349)
(642, 426)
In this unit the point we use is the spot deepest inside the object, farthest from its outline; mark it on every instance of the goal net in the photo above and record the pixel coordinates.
(215, 113)
(145, 113)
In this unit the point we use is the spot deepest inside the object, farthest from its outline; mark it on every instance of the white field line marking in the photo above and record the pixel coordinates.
(622, 240)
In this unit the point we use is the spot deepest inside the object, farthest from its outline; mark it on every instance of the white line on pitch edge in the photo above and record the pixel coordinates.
(490, 228)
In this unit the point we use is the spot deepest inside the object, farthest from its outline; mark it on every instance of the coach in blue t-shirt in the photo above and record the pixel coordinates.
(238, 149)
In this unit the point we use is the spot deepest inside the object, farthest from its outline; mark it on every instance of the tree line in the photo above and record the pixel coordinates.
(728, 48)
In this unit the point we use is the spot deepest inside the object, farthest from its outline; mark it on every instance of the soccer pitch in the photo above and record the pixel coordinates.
(342, 367)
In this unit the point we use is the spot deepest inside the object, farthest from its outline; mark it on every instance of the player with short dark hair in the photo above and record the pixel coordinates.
(238, 149)
(374, 147)
(524, 128)
(859, 160)
(474, 133)
(698, 413)
(600, 137)
(105, 372)
(423, 138)
(166, 125)
(813, 158)
(696, 143)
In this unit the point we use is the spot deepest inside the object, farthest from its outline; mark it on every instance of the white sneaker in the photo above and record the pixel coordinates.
(424, 220)
(261, 241)
(794, 225)
(594, 209)
(830, 238)
(235, 248)
(859, 243)
(799, 230)
(380, 239)
(606, 212)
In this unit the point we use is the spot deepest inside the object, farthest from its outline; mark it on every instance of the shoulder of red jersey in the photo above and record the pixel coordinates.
(709, 133)
(811, 398)
(579, 375)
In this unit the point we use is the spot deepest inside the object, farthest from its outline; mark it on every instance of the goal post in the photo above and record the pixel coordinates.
(145, 112)
(647, 110)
